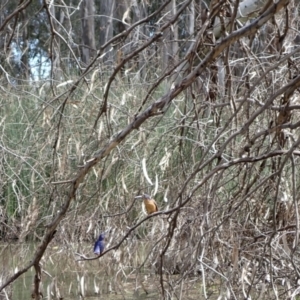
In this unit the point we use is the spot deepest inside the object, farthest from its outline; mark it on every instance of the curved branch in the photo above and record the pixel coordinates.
(156, 108)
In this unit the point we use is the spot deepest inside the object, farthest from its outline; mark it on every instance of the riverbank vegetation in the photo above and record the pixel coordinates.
(195, 103)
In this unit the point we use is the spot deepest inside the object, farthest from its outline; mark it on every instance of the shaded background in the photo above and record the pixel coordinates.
(195, 103)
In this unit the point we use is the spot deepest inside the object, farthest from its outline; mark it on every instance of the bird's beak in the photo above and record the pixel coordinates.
(138, 197)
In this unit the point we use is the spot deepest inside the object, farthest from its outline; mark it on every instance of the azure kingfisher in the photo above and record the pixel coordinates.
(99, 245)
(150, 203)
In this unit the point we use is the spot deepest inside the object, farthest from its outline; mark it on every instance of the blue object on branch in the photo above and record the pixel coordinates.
(99, 245)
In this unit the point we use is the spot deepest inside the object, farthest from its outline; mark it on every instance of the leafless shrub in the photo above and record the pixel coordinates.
(203, 118)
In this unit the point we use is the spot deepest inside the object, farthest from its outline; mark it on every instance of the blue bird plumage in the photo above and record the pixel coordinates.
(99, 245)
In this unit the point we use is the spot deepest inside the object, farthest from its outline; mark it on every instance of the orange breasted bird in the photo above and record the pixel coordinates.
(150, 203)
(99, 245)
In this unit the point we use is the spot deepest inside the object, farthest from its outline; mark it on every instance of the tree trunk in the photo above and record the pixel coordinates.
(107, 13)
(170, 42)
(88, 30)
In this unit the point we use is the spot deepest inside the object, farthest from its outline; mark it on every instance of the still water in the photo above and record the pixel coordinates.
(64, 277)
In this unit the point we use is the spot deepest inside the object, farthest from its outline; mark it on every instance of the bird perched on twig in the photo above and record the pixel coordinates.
(150, 203)
(99, 245)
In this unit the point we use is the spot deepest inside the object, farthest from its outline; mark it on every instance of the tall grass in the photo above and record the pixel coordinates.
(213, 154)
